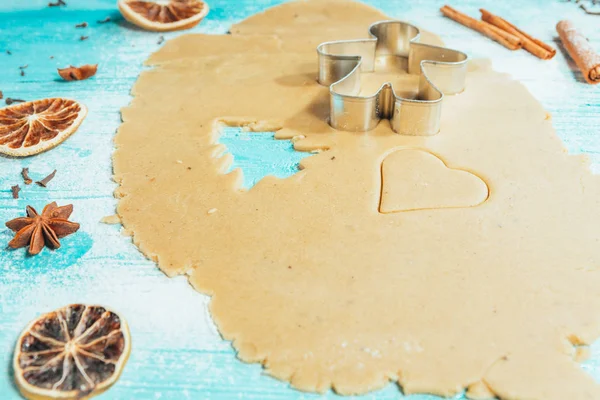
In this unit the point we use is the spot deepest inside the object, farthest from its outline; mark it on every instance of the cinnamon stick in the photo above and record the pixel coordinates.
(580, 50)
(532, 45)
(506, 39)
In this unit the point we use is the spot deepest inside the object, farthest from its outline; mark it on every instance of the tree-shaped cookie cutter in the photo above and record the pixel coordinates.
(394, 44)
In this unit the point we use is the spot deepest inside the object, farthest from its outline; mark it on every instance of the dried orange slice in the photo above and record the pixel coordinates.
(74, 352)
(35, 126)
(163, 15)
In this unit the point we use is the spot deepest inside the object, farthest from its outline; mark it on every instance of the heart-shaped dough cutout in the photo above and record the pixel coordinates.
(418, 180)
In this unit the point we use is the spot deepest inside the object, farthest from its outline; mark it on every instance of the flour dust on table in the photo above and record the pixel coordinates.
(489, 288)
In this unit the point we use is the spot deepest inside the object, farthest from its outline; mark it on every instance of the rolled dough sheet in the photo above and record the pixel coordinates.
(489, 286)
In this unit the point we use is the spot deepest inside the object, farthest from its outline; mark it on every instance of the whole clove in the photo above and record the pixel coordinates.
(8, 52)
(161, 39)
(15, 191)
(22, 73)
(82, 25)
(105, 20)
(10, 101)
(44, 182)
(25, 175)
(58, 3)
(82, 38)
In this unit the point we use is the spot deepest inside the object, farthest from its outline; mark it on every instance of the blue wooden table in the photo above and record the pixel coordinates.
(177, 352)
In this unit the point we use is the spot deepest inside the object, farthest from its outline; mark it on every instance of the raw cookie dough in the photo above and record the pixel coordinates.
(418, 180)
(306, 275)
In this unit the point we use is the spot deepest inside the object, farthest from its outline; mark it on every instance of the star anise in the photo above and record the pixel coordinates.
(37, 231)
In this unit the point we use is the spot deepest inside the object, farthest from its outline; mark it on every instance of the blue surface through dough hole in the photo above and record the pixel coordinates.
(259, 154)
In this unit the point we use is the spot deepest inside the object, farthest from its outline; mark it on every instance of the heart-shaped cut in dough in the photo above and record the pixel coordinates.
(418, 180)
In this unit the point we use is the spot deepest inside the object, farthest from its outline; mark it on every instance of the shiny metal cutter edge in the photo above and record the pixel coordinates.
(442, 71)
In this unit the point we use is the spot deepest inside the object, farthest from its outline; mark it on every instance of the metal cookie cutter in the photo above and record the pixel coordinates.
(392, 44)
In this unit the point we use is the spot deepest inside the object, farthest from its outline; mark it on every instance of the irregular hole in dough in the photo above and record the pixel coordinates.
(259, 154)
(308, 278)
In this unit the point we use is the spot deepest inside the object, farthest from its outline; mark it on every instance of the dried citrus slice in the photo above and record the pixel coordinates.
(74, 352)
(163, 15)
(35, 126)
